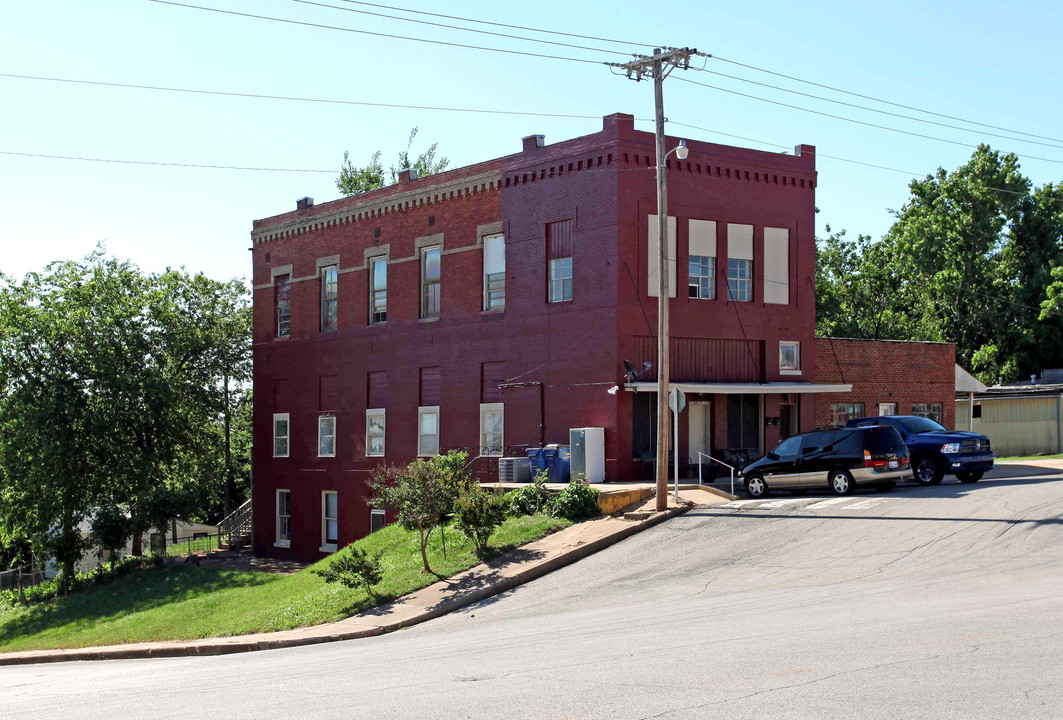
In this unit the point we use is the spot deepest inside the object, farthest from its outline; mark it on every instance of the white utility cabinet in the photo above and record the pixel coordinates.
(588, 453)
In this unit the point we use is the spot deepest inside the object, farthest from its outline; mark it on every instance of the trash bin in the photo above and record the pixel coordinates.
(537, 458)
(558, 462)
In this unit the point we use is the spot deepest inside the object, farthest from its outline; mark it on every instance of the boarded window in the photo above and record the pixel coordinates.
(777, 266)
(328, 393)
(282, 394)
(653, 261)
(559, 239)
(492, 374)
(430, 386)
(377, 393)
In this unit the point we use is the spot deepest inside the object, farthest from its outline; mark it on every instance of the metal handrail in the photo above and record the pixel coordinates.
(721, 462)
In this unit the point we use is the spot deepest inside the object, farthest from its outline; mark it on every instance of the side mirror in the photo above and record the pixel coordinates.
(772, 456)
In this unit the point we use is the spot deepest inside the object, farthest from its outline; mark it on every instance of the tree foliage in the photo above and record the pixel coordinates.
(971, 259)
(479, 513)
(111, 385)
(353, 568)
(355, 180)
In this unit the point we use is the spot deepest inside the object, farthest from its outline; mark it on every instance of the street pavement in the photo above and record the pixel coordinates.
(941, 602)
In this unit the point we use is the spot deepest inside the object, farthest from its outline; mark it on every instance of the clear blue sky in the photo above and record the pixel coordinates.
(990, 62)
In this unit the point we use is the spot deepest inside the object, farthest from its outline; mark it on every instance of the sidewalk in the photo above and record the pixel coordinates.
(483, 581)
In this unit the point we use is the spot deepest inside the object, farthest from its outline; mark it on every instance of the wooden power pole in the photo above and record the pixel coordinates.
(658, 67)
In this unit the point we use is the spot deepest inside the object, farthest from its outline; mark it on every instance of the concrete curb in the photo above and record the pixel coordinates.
(263, 641)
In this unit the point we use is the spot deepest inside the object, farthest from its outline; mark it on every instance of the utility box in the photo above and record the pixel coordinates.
(588, 453)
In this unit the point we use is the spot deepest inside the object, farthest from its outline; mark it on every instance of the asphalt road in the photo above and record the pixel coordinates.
(941, 602)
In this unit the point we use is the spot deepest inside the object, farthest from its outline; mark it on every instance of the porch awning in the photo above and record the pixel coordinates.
(744, 388)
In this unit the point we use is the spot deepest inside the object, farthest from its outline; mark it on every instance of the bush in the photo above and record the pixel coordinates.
(354, 568)
(575, 502)
(479, 513)
(50, 589)
(530, 499)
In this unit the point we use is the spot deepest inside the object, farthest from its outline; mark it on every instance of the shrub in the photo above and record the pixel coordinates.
(354, 568)
(575, 502)
(479, 513)
(530, 499)
(50, 589)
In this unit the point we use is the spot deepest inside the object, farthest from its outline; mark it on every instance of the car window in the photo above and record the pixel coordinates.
(849, 442)
(788, 447)
(817, 442)
(881, 440)
(921, 425)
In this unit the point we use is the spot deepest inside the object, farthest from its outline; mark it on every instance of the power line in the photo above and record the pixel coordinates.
(292, 98)
(845, 119)
(880, 100)
(164, 164)
(498, 24)
(374, 34)
(874, 110)
(457, 27)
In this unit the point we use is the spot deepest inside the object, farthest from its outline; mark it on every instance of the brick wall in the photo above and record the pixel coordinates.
(886, 372)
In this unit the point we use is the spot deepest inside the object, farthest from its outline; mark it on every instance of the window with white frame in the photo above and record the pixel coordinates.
(701, 244)
(281, 431)
(284, 519)
(282, 293)
(739, 262)
(789, 356)
(378, 290)
(560, 279)
(374, 433)
(491, 426)
(377, 520)
(330, 291)
(330, 521)
(428, 431)
(326, 436)
(430, 281)
(495, 272)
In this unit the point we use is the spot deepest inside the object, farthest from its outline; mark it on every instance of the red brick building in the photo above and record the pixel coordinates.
(491, 308)
(888, 378)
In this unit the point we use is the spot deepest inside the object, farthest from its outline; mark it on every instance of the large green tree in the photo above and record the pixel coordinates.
(968, 260)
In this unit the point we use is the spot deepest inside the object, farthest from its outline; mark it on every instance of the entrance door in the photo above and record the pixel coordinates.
(700, 426)
(885, 409)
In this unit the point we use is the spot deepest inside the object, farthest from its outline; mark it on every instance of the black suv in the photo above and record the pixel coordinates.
(937, 451)
(839, 459)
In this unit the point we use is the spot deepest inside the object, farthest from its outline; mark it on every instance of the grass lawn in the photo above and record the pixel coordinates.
(1015, 458)
(181, 601)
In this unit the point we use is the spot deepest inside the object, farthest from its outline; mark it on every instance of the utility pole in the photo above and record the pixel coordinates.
(660, 66)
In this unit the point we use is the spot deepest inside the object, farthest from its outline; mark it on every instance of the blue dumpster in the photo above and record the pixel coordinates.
(554, 459)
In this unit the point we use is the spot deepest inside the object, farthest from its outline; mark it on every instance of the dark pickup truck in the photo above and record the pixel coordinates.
(936, 451)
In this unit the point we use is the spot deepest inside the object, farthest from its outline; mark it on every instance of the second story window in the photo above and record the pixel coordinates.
(789, 356)
(560, 279)
(326, 436)
(329, 297)
(280, 434)
(702, 277)
(740, 280)
(494, 272)
(283, 305)
(378, 290)
(430, 281)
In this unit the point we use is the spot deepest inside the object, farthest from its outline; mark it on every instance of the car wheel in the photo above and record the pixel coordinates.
(928, 471)
(886, 486)
(969, 477)
(841, 482)
(756, 487)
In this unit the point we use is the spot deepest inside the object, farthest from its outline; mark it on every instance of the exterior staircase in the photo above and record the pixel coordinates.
(235, 529)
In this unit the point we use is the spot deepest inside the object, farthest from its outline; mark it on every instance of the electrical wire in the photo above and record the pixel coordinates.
(498, 24)
(874, 110)
(164, 164)
(457, 27)
(292, 98)
(849, 120)
(321, 26)
(880, 100)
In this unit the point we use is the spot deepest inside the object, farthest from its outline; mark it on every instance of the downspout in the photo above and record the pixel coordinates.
(970, 411)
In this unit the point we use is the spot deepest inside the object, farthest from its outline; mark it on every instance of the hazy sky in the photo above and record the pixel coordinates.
(988, 62)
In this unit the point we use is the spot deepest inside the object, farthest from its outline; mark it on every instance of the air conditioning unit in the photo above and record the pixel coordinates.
(514, 470)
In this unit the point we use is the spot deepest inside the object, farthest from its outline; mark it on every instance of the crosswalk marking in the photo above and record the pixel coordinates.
(826, 503)
(781, 503)
(811, 504)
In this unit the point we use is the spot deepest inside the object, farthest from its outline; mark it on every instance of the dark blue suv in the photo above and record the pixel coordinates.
(937, 452)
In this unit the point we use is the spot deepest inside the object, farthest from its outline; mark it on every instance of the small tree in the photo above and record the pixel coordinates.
(111, 528)
(479, 513)
(354, 568)
(451, 470)
(417, 497)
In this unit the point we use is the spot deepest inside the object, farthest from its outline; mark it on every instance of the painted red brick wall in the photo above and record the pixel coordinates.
(883, 371)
